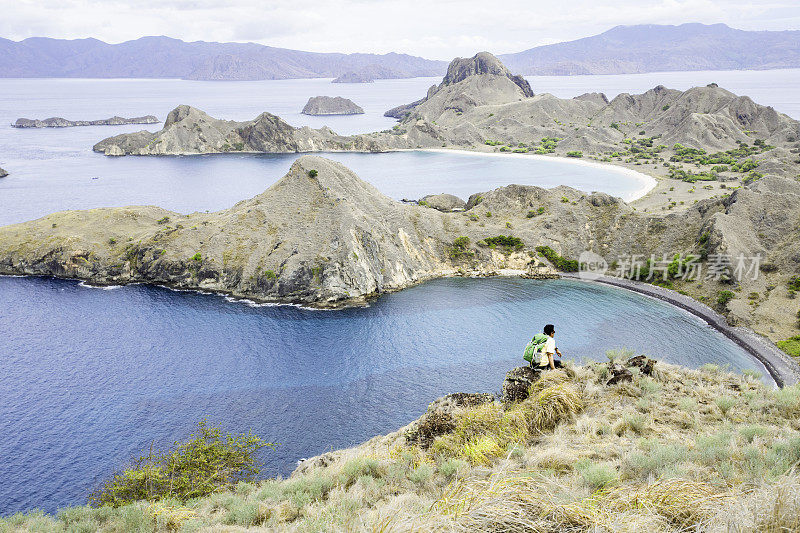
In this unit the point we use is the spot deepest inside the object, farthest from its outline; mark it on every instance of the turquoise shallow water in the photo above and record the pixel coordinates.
(90, 377)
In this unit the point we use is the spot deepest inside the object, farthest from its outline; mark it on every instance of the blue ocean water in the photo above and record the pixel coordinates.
(92, 377)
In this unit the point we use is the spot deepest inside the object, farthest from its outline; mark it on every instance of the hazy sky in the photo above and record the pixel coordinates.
(434, 29)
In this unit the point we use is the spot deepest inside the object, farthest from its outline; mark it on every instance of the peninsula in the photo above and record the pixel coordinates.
(58, 122)
(726, 170)
(331, 105)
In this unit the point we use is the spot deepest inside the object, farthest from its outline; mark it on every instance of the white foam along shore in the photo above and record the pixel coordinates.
(647, 183)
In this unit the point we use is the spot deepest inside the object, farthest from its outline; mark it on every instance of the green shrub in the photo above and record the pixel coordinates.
(559, 262)
(725, 403)
(197, 257)
(596, 475)
(452, 467)
(791, 345)
(506, 241)
(750, 432)
(207, 462)
(270, 274)
(724, 297)
(312, 173)
(162, 220)
(361, 466)
(421, 474)
(460, 248)
(575, 153)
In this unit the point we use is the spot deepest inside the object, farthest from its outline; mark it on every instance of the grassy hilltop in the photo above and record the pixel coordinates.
(675, 450)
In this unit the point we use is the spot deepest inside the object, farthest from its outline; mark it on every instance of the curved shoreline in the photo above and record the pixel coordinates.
(648, 183)
(780, 366)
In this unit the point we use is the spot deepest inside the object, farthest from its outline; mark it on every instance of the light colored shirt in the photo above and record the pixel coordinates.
(548, 352)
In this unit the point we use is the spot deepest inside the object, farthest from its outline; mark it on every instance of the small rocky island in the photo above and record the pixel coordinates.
(3, 173)
(58, 122)
(331, 105)
(354, 77)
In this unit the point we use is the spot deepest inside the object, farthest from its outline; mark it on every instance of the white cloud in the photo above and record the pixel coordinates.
(429, 28)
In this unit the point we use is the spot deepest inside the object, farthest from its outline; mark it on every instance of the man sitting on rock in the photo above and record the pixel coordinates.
(549, 351)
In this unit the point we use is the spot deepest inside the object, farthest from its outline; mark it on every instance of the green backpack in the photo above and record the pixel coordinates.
(534, 347)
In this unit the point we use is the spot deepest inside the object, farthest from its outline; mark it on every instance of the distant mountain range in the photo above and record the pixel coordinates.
(163, 57)
(654, 48)
(623, 49)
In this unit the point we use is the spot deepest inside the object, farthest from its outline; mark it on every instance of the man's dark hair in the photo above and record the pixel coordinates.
(549, 328)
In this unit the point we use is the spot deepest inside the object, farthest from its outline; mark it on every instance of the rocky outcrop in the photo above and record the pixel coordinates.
(439, 419)
(482, 64)
(518, 382)
(331, 105)
(443, 202)
(58, 122)
(469, 82)
(3, 173)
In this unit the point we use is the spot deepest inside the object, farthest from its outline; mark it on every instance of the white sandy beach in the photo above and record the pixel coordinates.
(647, 182)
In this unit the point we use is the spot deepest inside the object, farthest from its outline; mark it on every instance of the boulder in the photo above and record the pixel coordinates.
(643, 363)
(439, 420)
(618, 374)
(331, 105)
(444, 202)
(518, 382)
(3, 173)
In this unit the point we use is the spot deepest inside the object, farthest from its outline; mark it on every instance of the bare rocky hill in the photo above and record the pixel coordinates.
(319, 236)
(190, 131)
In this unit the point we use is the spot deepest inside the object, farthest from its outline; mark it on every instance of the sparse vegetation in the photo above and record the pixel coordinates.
(505, 241)
(460, 248)
(655, 453)
(559, 262)
(575, 153)
(312, 173)
(206, 463)
(791, 346)
(724, 297)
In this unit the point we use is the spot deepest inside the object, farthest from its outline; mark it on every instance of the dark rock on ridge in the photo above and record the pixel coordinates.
(331, 105)
(518, 383)
(58, 122)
